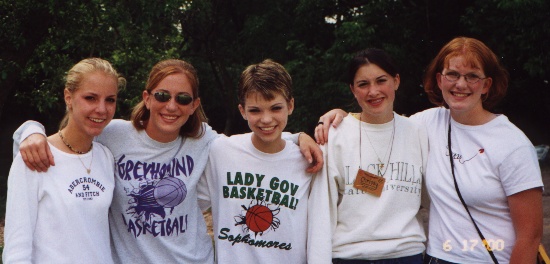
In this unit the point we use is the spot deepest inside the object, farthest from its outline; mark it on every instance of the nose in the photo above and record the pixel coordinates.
(101, 107)
(374, 90)
(461, 82)
(171, 105)
(266, 118)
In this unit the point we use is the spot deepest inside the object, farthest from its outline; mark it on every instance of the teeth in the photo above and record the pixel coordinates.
(459, 94)
(267, 128)
(375, 101)
(170, 117)
(97, 120)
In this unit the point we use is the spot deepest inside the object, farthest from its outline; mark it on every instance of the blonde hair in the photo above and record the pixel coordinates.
(76, 74)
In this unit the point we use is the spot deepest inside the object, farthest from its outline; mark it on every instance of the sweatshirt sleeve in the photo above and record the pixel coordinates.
(319, 241)
(203, 187)
(203, 193)
(291, 137)
(21, 213)
(424, 147)
(25, 130)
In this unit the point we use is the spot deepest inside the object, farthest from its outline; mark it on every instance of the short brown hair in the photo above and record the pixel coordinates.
(479, 56)
(267, 78)
(193, 127)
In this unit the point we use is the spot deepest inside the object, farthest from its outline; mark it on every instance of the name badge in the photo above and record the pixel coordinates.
(369, 182)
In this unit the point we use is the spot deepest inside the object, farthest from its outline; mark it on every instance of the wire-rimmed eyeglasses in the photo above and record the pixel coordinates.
(455, 76)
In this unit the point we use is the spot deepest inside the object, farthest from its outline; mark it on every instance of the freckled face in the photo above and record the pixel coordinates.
(463, 97)
(374, 90)
(167, 118)
(267, 119)
(92, 106)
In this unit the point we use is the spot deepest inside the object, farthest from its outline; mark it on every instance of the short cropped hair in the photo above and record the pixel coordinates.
(267, 78)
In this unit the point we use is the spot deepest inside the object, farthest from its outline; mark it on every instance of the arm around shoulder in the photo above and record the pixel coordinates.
(25, 130)
(30, 140)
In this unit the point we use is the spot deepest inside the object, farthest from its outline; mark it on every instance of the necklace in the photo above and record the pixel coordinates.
(89, 168)
(390, 146)
(71, 147)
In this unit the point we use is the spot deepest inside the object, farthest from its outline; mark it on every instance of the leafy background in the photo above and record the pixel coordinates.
(41, 40)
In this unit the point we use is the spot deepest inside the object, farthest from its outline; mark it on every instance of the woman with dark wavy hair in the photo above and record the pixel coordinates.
(482, 176)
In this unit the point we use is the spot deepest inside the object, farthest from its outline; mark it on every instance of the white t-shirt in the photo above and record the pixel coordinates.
(150, 220)
(492, 161)
(259, 202)
(154, 215)
(60, 216)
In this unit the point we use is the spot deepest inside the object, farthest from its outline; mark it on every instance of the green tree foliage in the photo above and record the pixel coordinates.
(518, 31)
(314, 39)
(45, 38)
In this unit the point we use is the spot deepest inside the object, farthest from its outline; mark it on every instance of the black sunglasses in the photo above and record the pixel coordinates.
(182, 99)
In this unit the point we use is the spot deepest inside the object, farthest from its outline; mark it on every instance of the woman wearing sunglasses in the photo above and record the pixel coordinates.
(61, 216)
(159, 157)
(477, 160)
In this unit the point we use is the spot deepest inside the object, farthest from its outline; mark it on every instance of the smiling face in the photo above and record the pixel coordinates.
(464, 99)
(92, 106)
(267, 119)
(374, 90)
(166, 118)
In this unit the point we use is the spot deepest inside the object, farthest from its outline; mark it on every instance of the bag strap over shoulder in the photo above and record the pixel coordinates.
(462, 200)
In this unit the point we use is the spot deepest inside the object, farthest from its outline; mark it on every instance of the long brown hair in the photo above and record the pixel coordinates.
(140, 114)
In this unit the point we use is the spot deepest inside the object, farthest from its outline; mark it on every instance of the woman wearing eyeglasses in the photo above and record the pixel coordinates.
(493, 162)
(159, 157)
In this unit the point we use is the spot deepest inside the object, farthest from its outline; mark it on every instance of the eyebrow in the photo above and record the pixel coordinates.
(253, 106)
(376, 78)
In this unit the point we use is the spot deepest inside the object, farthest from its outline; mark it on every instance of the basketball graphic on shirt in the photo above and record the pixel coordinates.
(170, 191)
(259, 218)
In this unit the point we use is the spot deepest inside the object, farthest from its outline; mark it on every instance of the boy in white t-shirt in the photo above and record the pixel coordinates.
(256, 182)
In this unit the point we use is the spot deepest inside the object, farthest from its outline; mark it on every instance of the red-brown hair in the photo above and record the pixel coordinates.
(478, 55)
